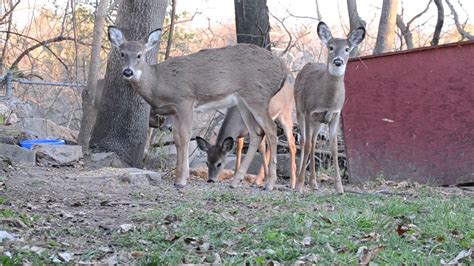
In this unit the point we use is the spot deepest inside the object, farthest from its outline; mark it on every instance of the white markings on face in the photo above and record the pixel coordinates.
(337, 71)
(137, 74)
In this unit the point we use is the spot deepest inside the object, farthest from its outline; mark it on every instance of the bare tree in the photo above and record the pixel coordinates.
(406, 28)
(123, 117)
(439, 22)
(355, 21)
(387, 26)
(464, 34)
(89, 93)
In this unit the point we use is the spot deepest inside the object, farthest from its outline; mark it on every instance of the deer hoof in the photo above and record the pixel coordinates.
(178, 186)
(210, 181)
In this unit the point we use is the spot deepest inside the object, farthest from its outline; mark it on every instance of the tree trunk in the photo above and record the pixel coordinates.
(355, 22)
(439, 22)
(406, 33)
(89, 93)
(122, 121)
(387, 27)
(251, 21)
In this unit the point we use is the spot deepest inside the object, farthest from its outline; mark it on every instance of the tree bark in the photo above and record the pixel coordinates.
(439, 22)
(387, 24)
(122, 121)
(252, 23)
(355, 21)
(89, 93)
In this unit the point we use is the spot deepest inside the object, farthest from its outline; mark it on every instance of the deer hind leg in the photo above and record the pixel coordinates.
(301, 125)
(263, 172)
(333, 126)
(286, 120)
(312, 179)
(182, 125)
(240, 145)
(308, 142)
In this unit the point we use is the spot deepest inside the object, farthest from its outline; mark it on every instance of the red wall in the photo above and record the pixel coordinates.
(409, 115)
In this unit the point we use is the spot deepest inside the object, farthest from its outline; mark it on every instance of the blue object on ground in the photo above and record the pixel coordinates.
(28, 144)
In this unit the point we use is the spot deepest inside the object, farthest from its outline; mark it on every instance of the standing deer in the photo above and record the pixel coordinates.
(242, 75)
(281, 108)
(319, 96)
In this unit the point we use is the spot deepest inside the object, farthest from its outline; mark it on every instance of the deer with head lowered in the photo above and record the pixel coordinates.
(242, 75)
(319, 96)
(233, 128)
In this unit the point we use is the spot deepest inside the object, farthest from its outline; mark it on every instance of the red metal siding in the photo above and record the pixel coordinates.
(409, 115)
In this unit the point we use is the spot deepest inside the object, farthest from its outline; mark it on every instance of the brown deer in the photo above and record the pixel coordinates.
(233, 127)
(319, 97)
(242, 75)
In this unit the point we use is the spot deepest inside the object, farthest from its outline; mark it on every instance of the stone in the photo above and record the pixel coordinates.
(58, 155)
(107, 159)
(140, 177)
(165, 157)
(46, 129)
(6, 235)
(18, 155)
(11, 135)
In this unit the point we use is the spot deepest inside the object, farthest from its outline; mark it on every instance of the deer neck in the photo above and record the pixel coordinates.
(143, 84)
(335, 82)
(232, 126)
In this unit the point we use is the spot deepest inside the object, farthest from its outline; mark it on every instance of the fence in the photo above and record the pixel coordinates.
(59, 102)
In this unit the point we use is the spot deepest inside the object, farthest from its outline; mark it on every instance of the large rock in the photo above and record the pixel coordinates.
(107, 159)
(165, 157)
(140, 177)
(58, 155)
(283, 164)
(11, 135)
(44, 128)
(18, 155)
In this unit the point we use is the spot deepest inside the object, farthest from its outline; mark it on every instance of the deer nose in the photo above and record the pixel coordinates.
(210, 181)
(128, 72)
(338, 62)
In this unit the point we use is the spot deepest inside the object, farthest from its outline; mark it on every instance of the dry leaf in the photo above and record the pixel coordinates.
(137, 254)
(365, 255)
(370, 237)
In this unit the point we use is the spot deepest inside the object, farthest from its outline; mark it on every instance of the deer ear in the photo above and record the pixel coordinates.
(153, 39)
(356, 36)
(203, 145)
(115, 36)
(228, 144)
(324, 33)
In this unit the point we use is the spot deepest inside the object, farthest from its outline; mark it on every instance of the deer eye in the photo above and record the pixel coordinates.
(331, 48)
(122, 54)
(139, 56)
(347, 49)
(218, 165)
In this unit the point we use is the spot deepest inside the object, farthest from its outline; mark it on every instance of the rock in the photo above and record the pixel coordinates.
(11, 135)
(165, 157)
(6, 235)
(126, 227)
(58, 155)
(3, 109)
(44, 128)
(140, 177)
(283, 164)
(65, 256)
(18, 155)
(107, 159)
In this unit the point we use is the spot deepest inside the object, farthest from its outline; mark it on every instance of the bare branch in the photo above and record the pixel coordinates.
(281, 21)
(439, 22)
(9, 11)
(171, 31)
(460, 29)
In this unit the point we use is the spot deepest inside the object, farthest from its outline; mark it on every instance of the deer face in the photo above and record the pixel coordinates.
(133, 53)
(338, 48)
(216, 155)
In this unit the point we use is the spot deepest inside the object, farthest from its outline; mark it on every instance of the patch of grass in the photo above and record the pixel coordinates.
(284, 227)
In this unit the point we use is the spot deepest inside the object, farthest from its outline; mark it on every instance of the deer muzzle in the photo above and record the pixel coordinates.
(127, 73)
(338, 61)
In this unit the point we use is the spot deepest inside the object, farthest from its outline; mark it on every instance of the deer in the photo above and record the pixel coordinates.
(319, 97)
(241, 75)
(233, 128)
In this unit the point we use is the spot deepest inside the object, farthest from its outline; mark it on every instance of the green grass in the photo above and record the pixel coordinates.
(256, 229)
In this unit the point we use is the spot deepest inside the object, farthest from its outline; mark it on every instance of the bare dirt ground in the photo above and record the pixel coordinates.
(57, 212)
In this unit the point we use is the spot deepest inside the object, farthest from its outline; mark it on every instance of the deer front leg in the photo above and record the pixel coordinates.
(238, 149)
(333, 125)
(312, 179)
(182, 125)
